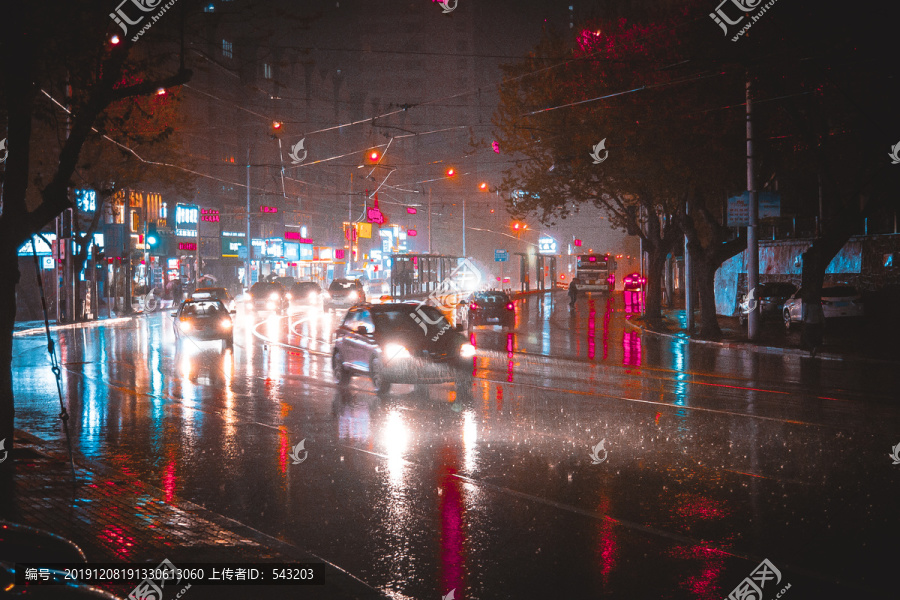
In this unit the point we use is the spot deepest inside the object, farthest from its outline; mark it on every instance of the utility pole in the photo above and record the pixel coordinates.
(688, 282)
(429, 220)
(247, 242)
(464, 226)
(752, 229)
(197, 276)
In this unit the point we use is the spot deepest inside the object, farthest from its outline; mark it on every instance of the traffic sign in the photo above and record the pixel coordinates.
(501, 255)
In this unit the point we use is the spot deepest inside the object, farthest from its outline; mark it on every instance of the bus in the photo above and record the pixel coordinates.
(595, 272)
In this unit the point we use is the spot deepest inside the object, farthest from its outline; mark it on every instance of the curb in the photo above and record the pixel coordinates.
(82, 325)
(684, 338)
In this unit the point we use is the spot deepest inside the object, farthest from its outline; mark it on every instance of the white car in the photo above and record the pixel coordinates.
(837, 302)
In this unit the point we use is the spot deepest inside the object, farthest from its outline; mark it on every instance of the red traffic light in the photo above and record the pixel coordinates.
(483, 187)
(276, 124)
(451, 172)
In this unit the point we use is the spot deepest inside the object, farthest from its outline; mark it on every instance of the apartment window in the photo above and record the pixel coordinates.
(209, 8)
(267, 70)
(227, 49)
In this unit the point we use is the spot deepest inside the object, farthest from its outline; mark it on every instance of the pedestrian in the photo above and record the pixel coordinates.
(573, 293)
(813, 318)
(177, 291)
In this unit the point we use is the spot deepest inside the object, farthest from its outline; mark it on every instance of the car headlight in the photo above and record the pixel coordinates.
(185, 326)
(270, 305)
(273, 296)
(354, 295)
(392, 351)
(288, 296)
(466, 351)
(225, 324)
(312, 296)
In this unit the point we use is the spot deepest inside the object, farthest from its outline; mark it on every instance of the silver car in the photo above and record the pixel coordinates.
(840, 301)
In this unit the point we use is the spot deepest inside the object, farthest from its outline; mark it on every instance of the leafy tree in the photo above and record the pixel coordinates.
(836, 123)
(45, 47)
(636, 87)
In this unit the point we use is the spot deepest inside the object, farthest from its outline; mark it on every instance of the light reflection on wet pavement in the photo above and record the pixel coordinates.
(716, 458)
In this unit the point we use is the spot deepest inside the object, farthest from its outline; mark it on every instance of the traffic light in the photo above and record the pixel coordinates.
(373, 156)
(276, 128)
(152, 237)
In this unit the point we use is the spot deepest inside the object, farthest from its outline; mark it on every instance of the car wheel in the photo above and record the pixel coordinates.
(342, 375)
(788, 325)
(381, 383)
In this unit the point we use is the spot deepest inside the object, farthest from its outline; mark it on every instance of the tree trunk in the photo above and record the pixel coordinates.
(656, 259)
(704, 277)
(670, 281)
(9, 277)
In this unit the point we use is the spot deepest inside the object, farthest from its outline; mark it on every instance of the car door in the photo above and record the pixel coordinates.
(363, 343)
(344, 341)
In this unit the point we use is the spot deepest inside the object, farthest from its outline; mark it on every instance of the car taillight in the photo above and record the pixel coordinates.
(473, 306)
(510, 306)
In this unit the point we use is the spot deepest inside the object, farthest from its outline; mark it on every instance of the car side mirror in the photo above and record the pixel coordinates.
(174, 314)
(361, 330)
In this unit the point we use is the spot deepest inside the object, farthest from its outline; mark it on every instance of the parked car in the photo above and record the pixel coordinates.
(485, 308)
(401, 342)
(770, 298)
(376, 288)
(840, 301)
(267, 296)
(345, 292)
(306, 292)
(204, 320)
(214, 293)
(634, 282)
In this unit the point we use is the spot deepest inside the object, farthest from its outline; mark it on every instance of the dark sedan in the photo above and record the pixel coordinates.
(306, 292)
(486, 308)
(267, 296)
(204, 320)
(770, 297)
(401, 343)
(345, 292)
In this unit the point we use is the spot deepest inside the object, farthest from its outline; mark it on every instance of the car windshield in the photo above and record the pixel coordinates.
(404, 318)
(203, 309)
(492, 298)
(341, 285)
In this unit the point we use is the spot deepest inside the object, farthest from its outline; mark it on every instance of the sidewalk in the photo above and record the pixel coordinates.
(852, 340)
(33, 327)
(115, 518)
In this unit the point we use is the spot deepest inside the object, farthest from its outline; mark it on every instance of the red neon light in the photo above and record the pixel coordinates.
(187, 246)
(268, 209)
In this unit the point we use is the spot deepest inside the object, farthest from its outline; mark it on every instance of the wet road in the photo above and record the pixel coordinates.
(713, 459)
